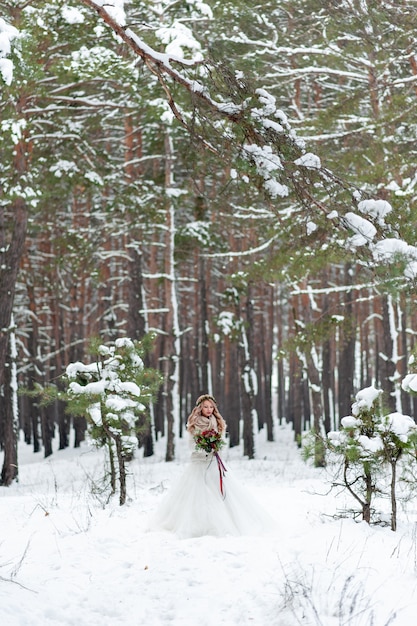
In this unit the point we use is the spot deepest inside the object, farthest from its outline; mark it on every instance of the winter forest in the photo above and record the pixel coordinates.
(232, 184)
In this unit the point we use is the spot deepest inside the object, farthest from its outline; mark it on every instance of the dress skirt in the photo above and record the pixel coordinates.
(206, 500)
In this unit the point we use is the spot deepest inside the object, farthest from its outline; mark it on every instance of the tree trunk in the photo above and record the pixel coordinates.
(172, 332)
(231, 396)
(135, 320)
(10, 257)
(263, 360)
(393, 494)
(10, 429)
(387, 365)
(317, 405)
(406, 404)
(122, 469)
(80, 426)
(369, 490)
(327, 373)
(48, 427)
(203, 343)
(63, 424)
(248, 378)
(346, 365)
(295, 398)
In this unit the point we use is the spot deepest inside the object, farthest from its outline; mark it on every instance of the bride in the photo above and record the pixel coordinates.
(207, 500)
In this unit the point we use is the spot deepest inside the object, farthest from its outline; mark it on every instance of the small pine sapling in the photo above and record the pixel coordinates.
(113, 392)
(355, 445)
(367, 442)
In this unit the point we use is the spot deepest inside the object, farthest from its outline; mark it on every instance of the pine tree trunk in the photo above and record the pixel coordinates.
(387, 365)
(248, 374)
(295, 398)
(263, 358)
(135, 320)
(35, 425)
(203, 343)
(172, 332)
(366, 509)
(406, 405)
(170, 449)
(122, 469)
(393, 494)
(47, 427)
(231, 398)
(63, 424)
(10, 258)
(317, 406)
(327, 376)
(80, 426)
(346, 365)
(10, 467)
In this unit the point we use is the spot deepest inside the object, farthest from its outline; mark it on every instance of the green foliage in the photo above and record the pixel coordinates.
(315, 333)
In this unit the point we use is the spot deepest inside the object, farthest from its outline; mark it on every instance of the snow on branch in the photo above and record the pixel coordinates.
(7, 34)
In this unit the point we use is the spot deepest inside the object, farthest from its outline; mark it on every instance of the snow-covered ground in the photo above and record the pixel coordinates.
(69, 558)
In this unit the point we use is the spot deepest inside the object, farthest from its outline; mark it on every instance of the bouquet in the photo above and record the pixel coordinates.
(209, 441)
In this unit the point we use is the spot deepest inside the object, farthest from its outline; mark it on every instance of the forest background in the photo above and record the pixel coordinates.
(128, 208)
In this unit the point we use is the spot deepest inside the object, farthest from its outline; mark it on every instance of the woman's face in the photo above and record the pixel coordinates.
(207, 408)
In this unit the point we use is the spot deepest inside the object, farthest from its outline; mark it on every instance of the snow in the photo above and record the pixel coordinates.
(371, 444)
(116, 403)
(378, 209)
(389, 250)
(266, 161)
(198, 229)
(72, 15)
(16, 128)
(129, 387)
(7, 34)
(202, 7)
(115, 8)
(226, 322)
(309, 160)
(176, 38)
(73, 369)
(275, 189)
(349, 422)
(311, 227)
(64, 167)
(409, 383)
(71, 559)
(401, 425)
(365, 399)
(364, 230)
(94, 178)
(5, 46)
(6, 70)
(273, 125)
(95, 387)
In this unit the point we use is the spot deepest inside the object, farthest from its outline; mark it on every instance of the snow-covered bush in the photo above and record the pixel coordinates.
(113, 393)
(368, 444)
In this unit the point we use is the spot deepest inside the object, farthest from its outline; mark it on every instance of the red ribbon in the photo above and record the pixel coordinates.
(222, 472)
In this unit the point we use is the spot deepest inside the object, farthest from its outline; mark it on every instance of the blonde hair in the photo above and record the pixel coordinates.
(195, 414)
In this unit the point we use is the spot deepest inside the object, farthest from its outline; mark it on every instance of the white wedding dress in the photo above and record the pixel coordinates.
(195, 505)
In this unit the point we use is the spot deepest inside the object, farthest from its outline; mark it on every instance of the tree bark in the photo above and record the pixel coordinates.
(248, 374)
(10, 467)
(346, 365)
(10, 258)
(387, 366)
